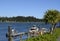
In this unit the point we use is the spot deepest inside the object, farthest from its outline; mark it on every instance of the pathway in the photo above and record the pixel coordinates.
(58, 39)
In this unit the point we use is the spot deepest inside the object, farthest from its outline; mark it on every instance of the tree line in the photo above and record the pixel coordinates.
(20, 19)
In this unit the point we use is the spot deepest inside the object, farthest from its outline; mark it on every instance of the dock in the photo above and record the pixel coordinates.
(10, 36)
(31, 33)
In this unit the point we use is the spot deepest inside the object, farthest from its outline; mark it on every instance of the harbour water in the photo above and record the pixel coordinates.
(20, 27)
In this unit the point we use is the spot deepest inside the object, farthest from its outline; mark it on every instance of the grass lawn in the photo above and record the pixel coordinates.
(57, 31)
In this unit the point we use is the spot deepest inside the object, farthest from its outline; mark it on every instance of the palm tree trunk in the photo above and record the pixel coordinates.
(53, 27)
(51, 30)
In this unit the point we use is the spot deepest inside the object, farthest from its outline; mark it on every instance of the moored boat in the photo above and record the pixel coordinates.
(34, 28)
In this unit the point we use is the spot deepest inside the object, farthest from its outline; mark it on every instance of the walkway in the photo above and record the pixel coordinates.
(58, 39)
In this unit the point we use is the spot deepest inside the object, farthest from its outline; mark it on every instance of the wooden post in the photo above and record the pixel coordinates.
(28, 34)
(20, 37)
(9, 34)
(33, 34)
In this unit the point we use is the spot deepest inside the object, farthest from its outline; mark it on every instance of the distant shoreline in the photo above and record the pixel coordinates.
(18, 22)
(20, 19)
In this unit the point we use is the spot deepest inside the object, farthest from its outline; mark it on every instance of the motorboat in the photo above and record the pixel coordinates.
(45, 30)
(34, 28)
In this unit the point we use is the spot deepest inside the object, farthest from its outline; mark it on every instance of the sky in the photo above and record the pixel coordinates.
(36, 8)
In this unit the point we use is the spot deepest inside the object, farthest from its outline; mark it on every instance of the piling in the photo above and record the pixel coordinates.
(9, 34)
(20, 37)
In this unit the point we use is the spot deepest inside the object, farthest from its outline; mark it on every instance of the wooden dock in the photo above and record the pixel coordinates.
(10, 36)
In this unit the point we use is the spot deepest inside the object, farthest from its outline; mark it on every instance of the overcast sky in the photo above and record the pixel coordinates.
(34, 8)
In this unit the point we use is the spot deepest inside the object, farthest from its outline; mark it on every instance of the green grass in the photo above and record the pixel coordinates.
(46, 37)
(57, 31)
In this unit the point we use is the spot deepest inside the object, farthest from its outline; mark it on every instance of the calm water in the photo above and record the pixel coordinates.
(20, 27)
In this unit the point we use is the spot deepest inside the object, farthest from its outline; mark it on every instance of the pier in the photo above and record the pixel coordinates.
(11, 35)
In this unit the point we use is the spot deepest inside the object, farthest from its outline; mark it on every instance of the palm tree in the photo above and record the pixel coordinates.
(51, 16)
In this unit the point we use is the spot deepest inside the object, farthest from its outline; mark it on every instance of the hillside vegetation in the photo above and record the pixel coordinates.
(20, 19)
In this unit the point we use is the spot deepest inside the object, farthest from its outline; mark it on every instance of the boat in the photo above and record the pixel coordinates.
(34, 28)
(45, 30)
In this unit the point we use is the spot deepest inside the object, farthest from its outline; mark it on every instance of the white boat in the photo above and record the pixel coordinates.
(45, 30)
(34, 28)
